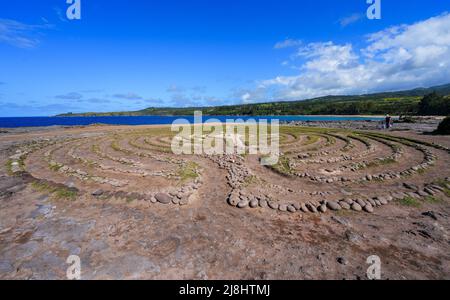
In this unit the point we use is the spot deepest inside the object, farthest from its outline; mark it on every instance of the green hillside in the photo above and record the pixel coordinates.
(410, 102)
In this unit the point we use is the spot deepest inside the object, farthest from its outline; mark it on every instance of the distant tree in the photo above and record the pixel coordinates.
(434, 105)
(444, 127)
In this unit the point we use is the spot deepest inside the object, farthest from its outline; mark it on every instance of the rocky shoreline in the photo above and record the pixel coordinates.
(420, 124)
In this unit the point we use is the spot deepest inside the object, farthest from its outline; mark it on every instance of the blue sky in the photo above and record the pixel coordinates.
(127, 55)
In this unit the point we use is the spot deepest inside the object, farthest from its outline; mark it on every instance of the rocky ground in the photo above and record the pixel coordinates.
(117, 197)
(419, 124)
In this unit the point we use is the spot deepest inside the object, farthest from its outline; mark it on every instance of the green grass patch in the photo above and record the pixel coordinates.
(434, 200)
(311, 139)
(409, 202)
(443, 183)
(188, 171)
(129, 199)
(283, 166)
(9, 167)
(57, 192)
(251, 180)
(55, 167)
(381, 162)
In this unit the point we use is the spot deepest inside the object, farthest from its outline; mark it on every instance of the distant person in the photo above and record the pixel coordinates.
(388, 122)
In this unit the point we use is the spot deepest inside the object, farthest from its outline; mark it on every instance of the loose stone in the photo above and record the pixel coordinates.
(97, 193)
(263, 203)
(291, 209)
(283, 207)
(243, 204)
(333, 205)
(342, 261)
(356, 207)
(361, 202)
(253, 203)
(349, 201)
(344, 205)
(163, 198)
(368, 208)
(304, 208)
(323, 208)
(273, 205)
(311, 208)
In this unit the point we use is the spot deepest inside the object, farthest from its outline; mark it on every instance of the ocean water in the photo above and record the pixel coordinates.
(14, 122)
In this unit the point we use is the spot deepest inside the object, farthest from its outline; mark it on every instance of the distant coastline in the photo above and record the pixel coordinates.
(409, 102)
(159, 120)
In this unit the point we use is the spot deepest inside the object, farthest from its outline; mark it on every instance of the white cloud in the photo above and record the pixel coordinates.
(400, 57)
(245, 97)
(19, 34)
(175, 89)
(344, 22)
(70, 96)
(287, 43)
(128, 96)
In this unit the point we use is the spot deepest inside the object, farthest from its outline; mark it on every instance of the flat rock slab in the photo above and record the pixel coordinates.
(163, 198)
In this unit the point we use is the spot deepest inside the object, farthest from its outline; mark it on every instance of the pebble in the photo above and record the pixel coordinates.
(422, 193)
(398, 196)
(243, 203)
(361, 202)
(413, 195)
(382, 200)
(283, 207)
(368, 208)
(349, 201)
(356, 207)
(291, 209)
(342, 261)
(333, 205)
(304, 208)
(430, 214)
(352, 236)
(323, 208)
(311, 208)
(254, 203)
(163, 198)
(410, 186)
(233, 200)
(341, 221)
(429, 191)
(437, 187)
(97, 193)
(263, 203)
(344, 205)
(273, 205)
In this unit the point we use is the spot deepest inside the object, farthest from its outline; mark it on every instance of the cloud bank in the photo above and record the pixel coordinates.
(19, 34)
(399, 57)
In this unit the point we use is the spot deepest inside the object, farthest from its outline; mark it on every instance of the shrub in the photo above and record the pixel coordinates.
(444, 127)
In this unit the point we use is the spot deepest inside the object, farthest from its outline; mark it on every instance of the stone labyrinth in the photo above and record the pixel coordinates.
(319, 170)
